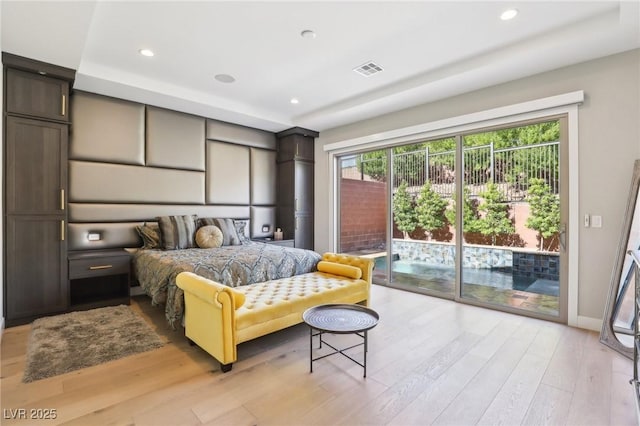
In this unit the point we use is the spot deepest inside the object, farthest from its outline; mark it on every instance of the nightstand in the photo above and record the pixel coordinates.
(284, 243)
(98, 278)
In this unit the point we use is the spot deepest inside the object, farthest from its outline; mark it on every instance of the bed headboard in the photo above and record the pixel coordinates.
(130, 162)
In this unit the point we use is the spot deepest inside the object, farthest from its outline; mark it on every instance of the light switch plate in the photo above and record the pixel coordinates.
(596, 221)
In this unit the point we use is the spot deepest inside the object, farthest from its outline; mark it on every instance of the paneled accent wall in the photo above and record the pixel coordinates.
(129, 163)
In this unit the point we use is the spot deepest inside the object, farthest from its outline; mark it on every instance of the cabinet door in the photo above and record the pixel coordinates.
(295, 147)
(304, 232)
(36, 164)
(303, 197)
(36, 270)
(37, 95)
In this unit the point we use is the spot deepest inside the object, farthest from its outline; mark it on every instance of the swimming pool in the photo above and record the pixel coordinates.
(485, 277)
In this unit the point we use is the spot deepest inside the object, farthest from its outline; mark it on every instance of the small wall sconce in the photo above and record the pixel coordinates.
(94, 236)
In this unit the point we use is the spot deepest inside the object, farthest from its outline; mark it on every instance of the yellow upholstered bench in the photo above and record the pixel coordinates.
(218, 318)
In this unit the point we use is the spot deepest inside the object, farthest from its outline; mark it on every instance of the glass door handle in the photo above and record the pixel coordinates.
(562, 235)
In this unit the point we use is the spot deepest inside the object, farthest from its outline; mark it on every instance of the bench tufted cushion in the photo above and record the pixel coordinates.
(272, 300)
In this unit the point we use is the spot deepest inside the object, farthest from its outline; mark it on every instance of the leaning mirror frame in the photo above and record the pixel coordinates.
(619, 315)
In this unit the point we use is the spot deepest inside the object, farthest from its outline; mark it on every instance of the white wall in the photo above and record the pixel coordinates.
(609, 142)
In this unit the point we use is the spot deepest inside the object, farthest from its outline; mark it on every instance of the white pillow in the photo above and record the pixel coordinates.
(209, 236)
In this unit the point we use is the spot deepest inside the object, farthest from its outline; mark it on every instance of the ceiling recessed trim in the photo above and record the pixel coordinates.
(225, 78)
(509, 14)
(310, 34)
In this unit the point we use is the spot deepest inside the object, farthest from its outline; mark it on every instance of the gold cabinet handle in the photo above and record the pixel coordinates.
(296, 149)
(93, 268)
(62, 230)
(61, 198)
(64, 105)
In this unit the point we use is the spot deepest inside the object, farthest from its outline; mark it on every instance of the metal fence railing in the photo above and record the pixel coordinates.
(509, 168)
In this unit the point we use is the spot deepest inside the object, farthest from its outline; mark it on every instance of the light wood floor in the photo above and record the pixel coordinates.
(431, 361)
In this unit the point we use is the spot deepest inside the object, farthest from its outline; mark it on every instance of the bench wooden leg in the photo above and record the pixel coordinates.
(226, 367)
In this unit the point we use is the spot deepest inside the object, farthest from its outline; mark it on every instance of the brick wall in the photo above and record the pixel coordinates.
(363, 207)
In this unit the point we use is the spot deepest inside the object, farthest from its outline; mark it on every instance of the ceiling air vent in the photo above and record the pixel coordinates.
(368, 68)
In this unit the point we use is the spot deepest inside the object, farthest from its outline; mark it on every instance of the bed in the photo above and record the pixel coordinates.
(231, 265)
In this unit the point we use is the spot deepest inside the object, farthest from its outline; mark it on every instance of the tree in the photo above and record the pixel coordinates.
(430, 208)
(495, 218)
(469, 212)
(404, 214)
(544, 210)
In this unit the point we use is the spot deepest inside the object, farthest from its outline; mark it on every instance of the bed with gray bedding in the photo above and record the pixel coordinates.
(233, 265)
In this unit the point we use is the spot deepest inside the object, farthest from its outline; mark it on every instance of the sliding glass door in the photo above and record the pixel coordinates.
(476, 217)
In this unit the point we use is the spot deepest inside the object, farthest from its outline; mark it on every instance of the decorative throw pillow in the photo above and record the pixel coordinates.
(228, 228)
(150, 234)
(242, 229)
(209, 236)
(177, 232)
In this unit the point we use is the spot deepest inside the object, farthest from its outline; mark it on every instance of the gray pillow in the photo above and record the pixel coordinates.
(178, 232)
(228, 228)
(150, 234)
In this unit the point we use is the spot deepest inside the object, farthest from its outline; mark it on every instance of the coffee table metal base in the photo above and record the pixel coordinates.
(362, 335)
(339, 319)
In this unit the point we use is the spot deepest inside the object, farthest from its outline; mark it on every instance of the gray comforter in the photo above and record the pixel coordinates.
(156, 270)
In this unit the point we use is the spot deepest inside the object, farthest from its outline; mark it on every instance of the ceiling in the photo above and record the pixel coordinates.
(428, 51)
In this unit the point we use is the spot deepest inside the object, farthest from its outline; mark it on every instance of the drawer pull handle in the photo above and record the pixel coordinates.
(94, 268)
(64, 105)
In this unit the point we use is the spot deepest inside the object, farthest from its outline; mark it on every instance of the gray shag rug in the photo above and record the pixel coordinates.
(68, 342)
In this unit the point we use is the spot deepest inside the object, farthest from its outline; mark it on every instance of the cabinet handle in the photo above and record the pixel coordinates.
(296, 223)
(61, 198)
(296, 149)
(296, 205)
(93, 268)
(62, 230)
(64, 105)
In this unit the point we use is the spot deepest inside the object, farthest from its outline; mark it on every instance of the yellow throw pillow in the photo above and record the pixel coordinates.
(340, 269)
(209, 236)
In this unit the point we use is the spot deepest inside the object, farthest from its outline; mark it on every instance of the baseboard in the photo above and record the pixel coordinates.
(588, 323)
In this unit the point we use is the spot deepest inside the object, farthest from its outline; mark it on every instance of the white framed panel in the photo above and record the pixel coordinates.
(118, 183)
(106, 129)
(174, 139)
(227, 173)
(263, 177)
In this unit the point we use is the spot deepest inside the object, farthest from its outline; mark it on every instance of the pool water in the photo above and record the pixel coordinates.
(485, 277)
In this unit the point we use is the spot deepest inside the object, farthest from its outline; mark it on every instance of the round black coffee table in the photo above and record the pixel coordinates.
(339, 319)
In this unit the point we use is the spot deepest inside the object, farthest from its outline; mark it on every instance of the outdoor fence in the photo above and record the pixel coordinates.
(509, 168)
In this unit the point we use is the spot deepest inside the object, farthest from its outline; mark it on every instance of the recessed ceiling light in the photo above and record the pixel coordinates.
(225, 78)
(509, 14)
(294, 101)
(146, 52)
(308, 34)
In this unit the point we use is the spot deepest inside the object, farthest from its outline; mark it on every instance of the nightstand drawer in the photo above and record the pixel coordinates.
(98, 278)
(84, 268)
